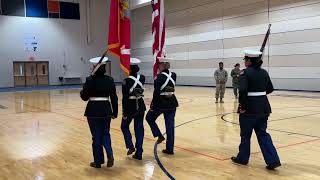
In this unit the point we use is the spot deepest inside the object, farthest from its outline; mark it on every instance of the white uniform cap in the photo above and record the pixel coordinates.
(97, 59)
(135, 61)
(164, 59)
(252, 53)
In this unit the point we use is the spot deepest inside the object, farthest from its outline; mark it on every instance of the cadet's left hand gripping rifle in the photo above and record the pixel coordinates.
(96, 67)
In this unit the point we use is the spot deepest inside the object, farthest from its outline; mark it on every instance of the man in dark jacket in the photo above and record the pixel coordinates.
(133, 107)
(235, 74)
(254, 110)
(99, 89)
(164, 102)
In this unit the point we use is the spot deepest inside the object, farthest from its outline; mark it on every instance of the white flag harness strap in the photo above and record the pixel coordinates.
(136, 82)
(169, 78)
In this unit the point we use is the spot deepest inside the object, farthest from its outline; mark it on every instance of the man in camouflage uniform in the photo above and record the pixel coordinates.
(221, 77)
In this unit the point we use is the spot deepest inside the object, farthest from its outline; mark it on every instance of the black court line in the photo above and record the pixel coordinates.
(296, 107)
(170, 176)
(297, 96)
(289, 118)
(222, 117)
(159, 162)
(155, 152)
(277, 130)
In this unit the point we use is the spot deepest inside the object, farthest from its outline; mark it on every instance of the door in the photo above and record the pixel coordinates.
(19, 74)
(43, 73)
(31, 74)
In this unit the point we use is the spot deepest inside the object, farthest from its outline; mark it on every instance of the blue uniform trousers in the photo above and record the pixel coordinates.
(100, 127)
(258, 123)
(169, 115)
(138, 130)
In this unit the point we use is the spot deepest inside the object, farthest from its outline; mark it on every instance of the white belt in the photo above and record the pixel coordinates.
(99, 99)
(257, 93)
(134, 97)
(166, 93)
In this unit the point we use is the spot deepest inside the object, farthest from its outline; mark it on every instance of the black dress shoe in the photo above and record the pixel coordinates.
(167, 152)
(160, 139)
(273, 166)
(110, 162)
(137, 157)
(93, 164)
(237, 161)
(130, 151)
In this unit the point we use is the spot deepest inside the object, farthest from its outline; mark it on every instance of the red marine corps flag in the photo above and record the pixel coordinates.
(158, 33)
(119, 32)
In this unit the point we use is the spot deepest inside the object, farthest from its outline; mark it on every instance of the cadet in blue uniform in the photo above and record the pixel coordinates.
(254, 109)
(133, 107)
(99, 89)
(164, 102)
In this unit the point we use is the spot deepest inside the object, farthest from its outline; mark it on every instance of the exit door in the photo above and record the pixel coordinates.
(31, 73)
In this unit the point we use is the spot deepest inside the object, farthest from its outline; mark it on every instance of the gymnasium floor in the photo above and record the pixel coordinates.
(44, 135)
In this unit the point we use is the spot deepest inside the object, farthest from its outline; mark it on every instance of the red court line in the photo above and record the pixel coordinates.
(290, 145)
(148, 138)
(120, 132)
(202, 154)
(42, 111)
(178, 147)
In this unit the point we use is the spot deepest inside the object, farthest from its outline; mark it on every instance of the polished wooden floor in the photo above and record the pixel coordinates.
(43, 135)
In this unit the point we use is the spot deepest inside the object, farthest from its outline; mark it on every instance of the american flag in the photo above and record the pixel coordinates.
(158, 32)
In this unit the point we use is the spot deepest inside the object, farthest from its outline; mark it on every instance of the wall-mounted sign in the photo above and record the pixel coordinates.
(31, 43)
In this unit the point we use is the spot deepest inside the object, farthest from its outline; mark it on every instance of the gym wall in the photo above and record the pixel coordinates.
(60, 41)
(200, 33)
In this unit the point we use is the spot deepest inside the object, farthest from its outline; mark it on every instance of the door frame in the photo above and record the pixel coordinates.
(24, 74)
(24, 64)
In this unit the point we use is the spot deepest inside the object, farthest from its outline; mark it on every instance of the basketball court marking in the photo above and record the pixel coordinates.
(32, 111)
(170, 176)
(296, 96)
(148, 138)
(198, 119)
(155, 149)
(282, 131)
(290, 145)
(289, 118)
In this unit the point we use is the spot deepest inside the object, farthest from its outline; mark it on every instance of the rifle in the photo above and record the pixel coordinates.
(265, 40)
(96, 67)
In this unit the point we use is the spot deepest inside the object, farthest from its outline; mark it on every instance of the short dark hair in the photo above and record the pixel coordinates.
(237, 65)
(101, 70)
(220, 62)
(134, 68)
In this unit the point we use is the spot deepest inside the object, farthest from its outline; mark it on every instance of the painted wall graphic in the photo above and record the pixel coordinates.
(36, 8)
(54, 9)
(31, 43)
(40, 9)
(12, 7)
